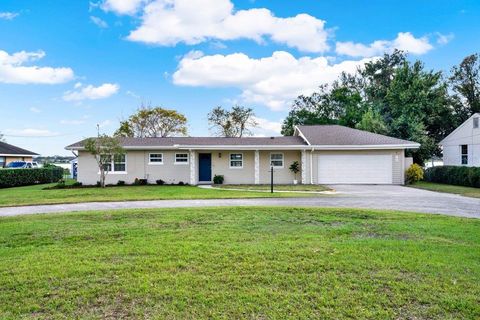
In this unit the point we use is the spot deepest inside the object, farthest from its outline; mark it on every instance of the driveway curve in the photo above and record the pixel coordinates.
(348, 196)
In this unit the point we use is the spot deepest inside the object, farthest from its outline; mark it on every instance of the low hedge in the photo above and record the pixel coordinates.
(460, 176)
(25, 177)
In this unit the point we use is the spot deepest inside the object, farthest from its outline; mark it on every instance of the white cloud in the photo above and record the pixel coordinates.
(99, 22)
(105, 123)
(443, 39)
(90, 92)
(13, 69)
(169, 22)
(128, 7)
(267, 127)
(273, 81)
(8, 15)
(30, 132)
(35, 110)
(404, 41)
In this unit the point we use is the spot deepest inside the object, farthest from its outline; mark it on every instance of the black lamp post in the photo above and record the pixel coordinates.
(271, 177)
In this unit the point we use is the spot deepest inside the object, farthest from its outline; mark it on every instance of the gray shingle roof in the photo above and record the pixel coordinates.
(204, 141)
(326, 135)
(6, 148)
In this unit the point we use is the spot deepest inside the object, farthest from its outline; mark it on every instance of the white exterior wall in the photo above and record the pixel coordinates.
(137, 166)
(464, 134)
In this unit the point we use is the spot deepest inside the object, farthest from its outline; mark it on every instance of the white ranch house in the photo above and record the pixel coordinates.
(328, 154)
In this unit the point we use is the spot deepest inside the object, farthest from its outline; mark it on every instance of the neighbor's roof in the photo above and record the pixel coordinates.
(204, 141)
(8, 149)
(329, 135)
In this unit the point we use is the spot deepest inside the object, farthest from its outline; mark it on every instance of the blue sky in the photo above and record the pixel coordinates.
(66, 66)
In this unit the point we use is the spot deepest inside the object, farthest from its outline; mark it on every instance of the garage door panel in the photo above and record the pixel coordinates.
(355, 169)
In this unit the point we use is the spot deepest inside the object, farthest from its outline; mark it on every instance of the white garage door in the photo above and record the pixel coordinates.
(355, 168)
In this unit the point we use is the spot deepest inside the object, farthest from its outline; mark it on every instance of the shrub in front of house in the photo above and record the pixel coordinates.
(414, 174)
(120, 183)
(25, 177)
(218, 179)
(160, 182)
(460, 176)
(140, 182)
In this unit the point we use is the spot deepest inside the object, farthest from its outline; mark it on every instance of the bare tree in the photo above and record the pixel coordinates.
(236, 122)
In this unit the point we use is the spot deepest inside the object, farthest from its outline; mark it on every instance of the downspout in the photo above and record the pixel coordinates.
(311, 165)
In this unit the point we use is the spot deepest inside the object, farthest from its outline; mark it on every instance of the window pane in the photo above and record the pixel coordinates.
(236, 156)
(464, 149)
(276, 159)
(107, 167)
(236, 163)
(464, 159)
(156, 157)
(475, 123)
(181, 157)
(119, 167)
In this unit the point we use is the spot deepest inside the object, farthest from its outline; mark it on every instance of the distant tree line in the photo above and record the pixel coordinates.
(396, 97)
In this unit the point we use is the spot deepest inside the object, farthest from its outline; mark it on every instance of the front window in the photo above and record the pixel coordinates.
(2, 162)
(114, 164)
(181, 158)
(464, 148)
(156, 158)
(236, 160)
(119, 163)
(276, 160)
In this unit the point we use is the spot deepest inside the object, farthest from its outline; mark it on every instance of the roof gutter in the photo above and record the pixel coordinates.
(269, 147)
(18, 155)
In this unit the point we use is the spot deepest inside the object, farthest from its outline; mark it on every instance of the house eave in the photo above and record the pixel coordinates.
(269, 147)
(17, 155)
(366, 147)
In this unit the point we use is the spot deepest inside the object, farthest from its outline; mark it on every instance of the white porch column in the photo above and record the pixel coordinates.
(257, 167)
(193, 161)
(304, 167)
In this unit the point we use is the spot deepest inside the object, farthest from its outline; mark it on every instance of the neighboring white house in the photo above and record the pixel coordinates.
(462, 146)
(327, 154)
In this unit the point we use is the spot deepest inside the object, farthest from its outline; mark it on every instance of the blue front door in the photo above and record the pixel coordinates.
(205, 167)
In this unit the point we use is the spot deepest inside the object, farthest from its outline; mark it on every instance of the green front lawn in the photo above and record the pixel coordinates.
(281, 187)
(448, 188)
(232, 263)
(33, 195)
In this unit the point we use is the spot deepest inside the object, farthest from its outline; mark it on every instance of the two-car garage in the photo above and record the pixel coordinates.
(356, 168)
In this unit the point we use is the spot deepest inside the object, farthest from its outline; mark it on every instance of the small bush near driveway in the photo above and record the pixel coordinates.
(414, 174)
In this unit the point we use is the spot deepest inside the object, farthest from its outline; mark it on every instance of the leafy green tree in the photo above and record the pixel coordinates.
(389, 95)
(419, 108)
(104, 148)
(236, 122)
(322, 107)
(153, 122)
(372, 121)
(465, 81)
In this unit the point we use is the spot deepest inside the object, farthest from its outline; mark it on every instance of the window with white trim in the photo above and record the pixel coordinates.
(181, 158)
(475, 123)
(155, 158)
(2, 161)
(236, 160)
(464, 151)
(276, 160)
(114, 164)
